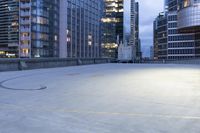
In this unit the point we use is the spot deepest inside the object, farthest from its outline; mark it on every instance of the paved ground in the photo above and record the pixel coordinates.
(111, 98)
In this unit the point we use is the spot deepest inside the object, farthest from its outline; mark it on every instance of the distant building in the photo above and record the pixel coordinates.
(160, 36)
(125, 52)
(169, 42)
(151, 52)
(155, 37)
(137, 33)
(123, 22)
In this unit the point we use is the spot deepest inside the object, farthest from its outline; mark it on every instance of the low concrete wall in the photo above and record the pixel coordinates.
(27, 64)
(186, 61)
(192, 61)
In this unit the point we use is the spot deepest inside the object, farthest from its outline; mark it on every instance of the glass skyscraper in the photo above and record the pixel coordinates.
(45, 28)
(189, 20)
(50, 28)
(189, 15)
(160, 36)
(29, 28)
(80, 28)
(137, 33)
(112, 27)
(9, 28)
(120, 24)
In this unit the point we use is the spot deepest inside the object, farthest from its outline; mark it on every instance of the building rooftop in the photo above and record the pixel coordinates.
(109, 98)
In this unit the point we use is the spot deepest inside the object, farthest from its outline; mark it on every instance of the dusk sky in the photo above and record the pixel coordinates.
(149, 9)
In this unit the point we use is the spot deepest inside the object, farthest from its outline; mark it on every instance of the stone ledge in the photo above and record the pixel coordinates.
(37, 63)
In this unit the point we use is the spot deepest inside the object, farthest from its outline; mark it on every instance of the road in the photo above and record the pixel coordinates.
(108, 98)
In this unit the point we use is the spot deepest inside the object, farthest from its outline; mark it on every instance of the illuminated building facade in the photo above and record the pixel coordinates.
(120, 24)
(112, 27)
(9, 28)
(29, 28)
(50, 28)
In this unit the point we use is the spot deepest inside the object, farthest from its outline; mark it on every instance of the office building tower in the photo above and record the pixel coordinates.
(120, 24)
(112, 27)
(160, 36)
(189, 20)
(80, 28)
(9, 28)
(173, 44)
(29, 28)
(50, 28)
(137, 34)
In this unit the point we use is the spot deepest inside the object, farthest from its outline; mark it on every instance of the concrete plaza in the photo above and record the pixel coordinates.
(108, 98)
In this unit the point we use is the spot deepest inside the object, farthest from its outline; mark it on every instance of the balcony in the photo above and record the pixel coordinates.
(24, 46)
(25, 5)
(25, 38)
(25, 14)
(25, 29)
(25, 22)
(13, 44)
(23, 55)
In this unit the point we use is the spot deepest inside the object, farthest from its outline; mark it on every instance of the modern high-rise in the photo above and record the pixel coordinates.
(137, 34)
(112, 27)
(9, 28)
(80, 28)
(120, 24)
(50, 28)
(189, 16)
(29, 28)
(189, 20)
(169, 42)
(160, 36)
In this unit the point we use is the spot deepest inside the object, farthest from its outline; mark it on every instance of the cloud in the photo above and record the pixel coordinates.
(149, 9)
